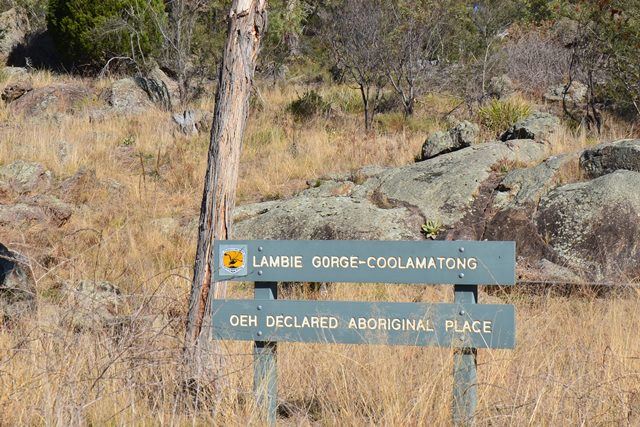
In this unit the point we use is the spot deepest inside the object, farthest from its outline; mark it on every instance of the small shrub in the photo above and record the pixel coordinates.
(309, 105)
(345, 99)
(431, 228)
(128, 141)
(498, 115)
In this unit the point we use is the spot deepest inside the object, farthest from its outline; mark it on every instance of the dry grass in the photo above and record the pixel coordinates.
(280, 155)
(577, 360)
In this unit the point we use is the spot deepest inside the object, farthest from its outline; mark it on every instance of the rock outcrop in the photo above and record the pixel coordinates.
(515, 203)
(192, 122)
(94, 305)
(125, 96)
(501, 86)
(25, 177)
(14, 27)
(58, 98)
(594, 227)
(79, 187)
(564, 230)
(539, 126)
(45, 209)
(135, 95)
(27, 195)
(576, 93)
(460, 136)
(16, 90)
(16, 72)
(386, 203)
(610, 157)
(168, 87)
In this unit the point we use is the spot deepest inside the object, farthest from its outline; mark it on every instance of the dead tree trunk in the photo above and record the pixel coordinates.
(247, 22)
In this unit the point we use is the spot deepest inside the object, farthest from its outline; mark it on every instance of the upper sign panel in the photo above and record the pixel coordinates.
(420, 262)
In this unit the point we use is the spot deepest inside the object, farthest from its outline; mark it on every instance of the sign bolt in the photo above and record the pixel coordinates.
(259, 248)
(461, 312)
(259, 272)
(259, 333)
(461, 249)
(461, 275)
(259, 307)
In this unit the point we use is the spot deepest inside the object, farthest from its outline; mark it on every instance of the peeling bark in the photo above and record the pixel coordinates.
(203, 360)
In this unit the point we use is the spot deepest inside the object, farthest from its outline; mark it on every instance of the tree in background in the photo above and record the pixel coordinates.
(416, 36)
(193, 37)
(535, 60)
(605, 56)
(415, 45)
(209, 34)
(490, 21)
(389, 49)
(287, 20)
(355, 32)
(621, 43)
(90, 33)
(489, 36)
(180, 39)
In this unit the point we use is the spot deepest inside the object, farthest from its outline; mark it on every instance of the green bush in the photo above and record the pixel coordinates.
(498, 115)
(90, 32)
(308, 106)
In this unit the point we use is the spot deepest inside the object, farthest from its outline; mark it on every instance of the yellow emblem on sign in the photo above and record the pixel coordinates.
(233, 259)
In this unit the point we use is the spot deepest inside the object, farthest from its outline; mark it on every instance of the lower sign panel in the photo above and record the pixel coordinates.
(442, 325)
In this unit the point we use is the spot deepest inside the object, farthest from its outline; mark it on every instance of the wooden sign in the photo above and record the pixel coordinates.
(463, 325)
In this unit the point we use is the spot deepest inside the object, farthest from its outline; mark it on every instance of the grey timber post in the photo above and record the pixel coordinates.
(265, 371)
(464, 368)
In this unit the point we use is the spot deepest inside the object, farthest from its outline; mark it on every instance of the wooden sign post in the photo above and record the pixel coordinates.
(464, 325)
(265, 371)
(465, 390)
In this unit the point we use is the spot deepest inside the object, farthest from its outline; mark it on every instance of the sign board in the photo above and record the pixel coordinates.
(463, 326)
(359, 261)
(443, 325)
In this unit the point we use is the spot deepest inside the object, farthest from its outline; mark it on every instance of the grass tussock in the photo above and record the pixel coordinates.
(497, 115)
(577, 360)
